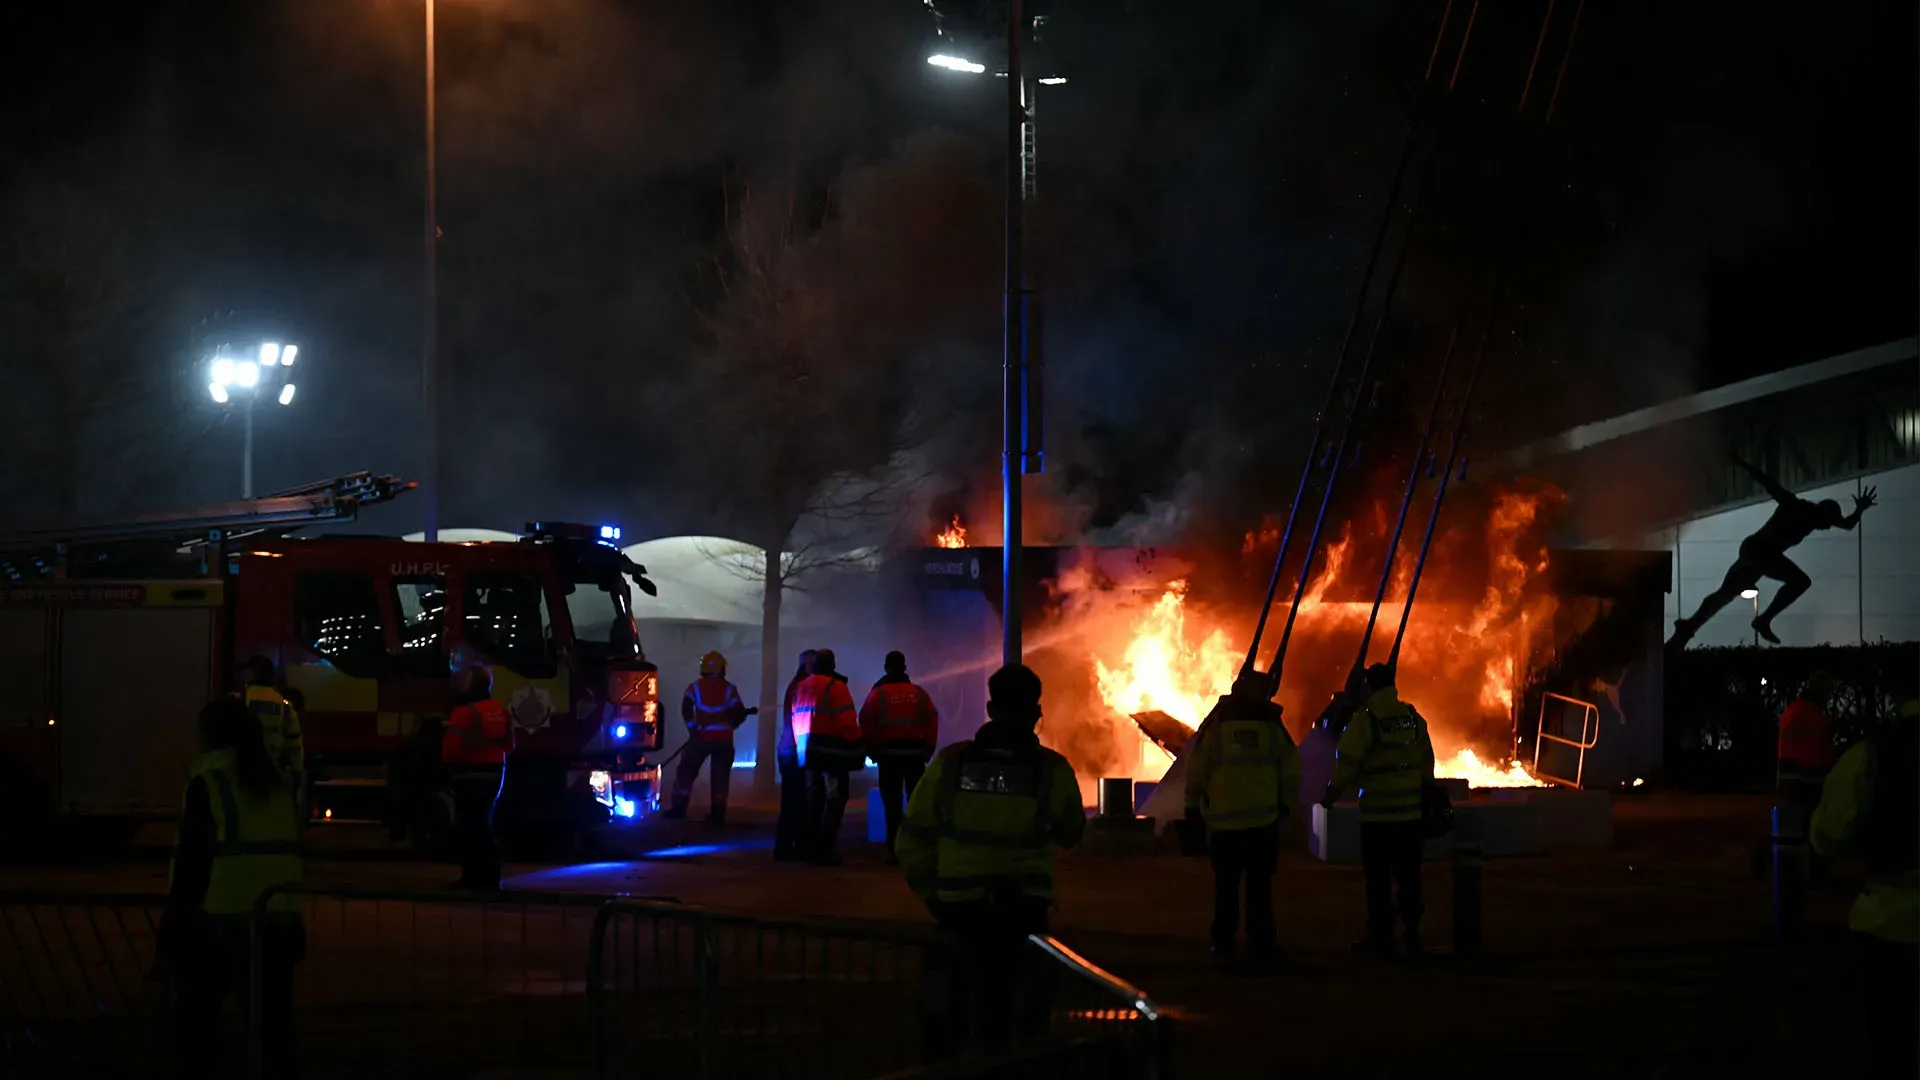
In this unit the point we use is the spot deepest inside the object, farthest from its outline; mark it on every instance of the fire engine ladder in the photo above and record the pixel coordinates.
(43, 551)
(1589, 735)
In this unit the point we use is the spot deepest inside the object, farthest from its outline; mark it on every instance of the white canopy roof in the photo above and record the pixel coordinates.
(705, 579)
(468, 536)
(708, 579)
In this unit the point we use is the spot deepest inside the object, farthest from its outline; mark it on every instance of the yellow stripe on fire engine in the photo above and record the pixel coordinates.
(328, 689)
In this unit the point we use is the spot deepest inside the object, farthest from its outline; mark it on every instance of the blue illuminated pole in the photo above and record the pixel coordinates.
(1020, 379)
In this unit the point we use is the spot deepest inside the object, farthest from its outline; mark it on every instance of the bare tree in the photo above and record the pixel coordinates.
(805, 397)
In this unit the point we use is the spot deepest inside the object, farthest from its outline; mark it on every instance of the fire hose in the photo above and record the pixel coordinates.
(668, 760)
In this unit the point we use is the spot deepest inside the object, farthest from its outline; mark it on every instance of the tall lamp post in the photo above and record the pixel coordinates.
(266, 371)
(430, 349)
(1022, 449)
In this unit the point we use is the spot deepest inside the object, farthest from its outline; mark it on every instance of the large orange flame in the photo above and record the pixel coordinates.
(1461, 667)
(953, 536)
(1163, 668)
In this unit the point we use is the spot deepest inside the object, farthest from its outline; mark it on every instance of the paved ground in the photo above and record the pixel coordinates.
(1651, 958)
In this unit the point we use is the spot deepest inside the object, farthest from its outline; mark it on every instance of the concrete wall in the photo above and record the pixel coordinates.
(1866, 583)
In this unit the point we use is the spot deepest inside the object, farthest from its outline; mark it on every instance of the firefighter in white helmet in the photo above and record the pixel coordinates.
(712, 709)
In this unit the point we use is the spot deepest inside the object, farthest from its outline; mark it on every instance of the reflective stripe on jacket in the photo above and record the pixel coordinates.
(474, 733)
(1806, 742)
(1869, 804)
(712, 709)
(279, 727)
(898, 720)
(1386, 750)
(1244, 769)
(826, 730)
(256, 842)
(983, 822)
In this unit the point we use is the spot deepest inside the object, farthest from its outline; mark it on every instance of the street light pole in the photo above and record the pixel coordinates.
(1014, 372)
(246, 452)
(430, 354)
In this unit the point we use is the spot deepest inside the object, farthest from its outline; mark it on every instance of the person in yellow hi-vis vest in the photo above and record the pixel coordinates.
(1386, 751)
(1871, 805)
(239, 837)
(977, 848)
(1243, 775)
(279, 723)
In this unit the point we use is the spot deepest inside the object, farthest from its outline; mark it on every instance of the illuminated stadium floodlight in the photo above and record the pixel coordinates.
(240, 377)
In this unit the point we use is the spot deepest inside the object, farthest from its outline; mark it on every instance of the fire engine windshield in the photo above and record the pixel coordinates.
(505, 617)
(602, 618)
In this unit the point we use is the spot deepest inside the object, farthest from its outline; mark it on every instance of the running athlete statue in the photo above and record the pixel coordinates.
(1764, 554)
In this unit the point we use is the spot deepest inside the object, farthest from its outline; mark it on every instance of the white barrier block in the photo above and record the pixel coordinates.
(1509, 826)
(1335, 837)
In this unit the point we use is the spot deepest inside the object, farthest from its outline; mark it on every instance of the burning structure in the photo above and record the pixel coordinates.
(1136, 645)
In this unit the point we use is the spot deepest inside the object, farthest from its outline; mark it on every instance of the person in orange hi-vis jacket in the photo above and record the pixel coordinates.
(826, 737)
(476, 746)
(1806, 742)
(900, 727)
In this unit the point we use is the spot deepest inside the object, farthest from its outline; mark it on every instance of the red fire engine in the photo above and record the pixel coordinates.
(112, 635)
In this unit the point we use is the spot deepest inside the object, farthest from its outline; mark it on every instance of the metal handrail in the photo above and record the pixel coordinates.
(1589, 737)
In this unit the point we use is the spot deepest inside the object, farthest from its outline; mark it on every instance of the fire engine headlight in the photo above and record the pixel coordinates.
(620, 731)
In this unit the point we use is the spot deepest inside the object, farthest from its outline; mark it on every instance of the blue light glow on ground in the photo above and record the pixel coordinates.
(608, 874)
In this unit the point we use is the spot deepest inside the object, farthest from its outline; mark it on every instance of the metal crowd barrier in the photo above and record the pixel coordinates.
(425, 983)
(754, 997)
(445, 983)
(75, 994)
(812, 998)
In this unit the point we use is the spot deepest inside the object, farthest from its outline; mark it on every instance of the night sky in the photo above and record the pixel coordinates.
(1726, 189)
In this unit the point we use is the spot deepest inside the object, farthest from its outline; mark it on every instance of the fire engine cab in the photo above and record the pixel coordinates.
(113, 635)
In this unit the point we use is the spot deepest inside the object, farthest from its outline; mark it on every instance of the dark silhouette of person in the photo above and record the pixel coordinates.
(1764, 555)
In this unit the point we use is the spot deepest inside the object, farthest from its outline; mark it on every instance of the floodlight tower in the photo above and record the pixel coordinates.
(240, 378)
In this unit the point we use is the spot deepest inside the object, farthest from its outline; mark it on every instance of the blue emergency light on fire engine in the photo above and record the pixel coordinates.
(569, 530)
(623, 806)
(619, 731)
